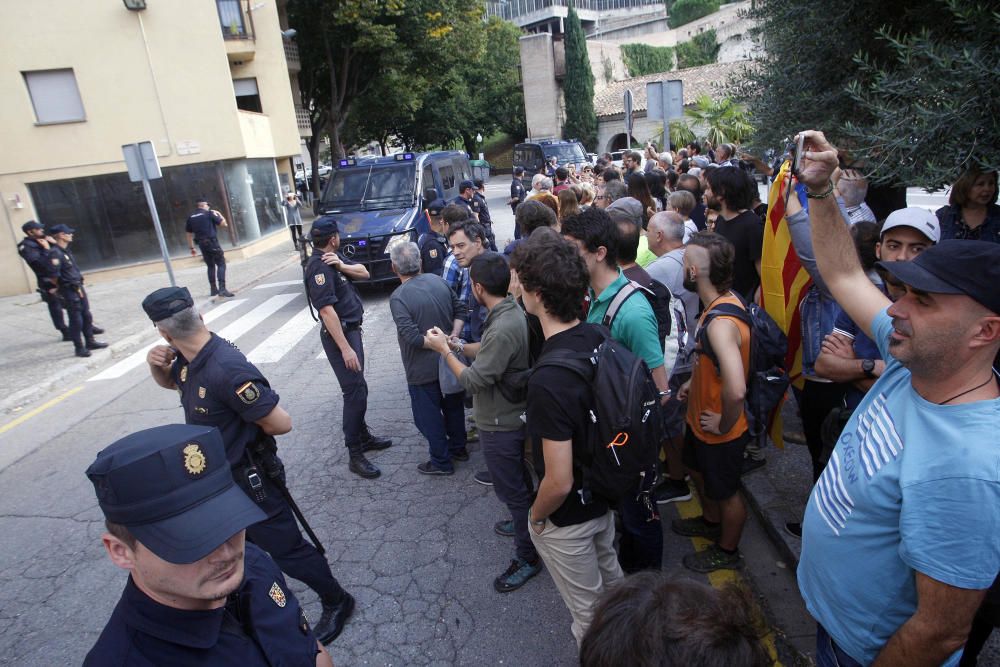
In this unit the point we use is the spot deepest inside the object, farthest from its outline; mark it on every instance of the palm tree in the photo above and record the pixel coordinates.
(723, 121)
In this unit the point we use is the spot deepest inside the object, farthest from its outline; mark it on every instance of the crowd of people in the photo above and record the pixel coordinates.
(898, 399)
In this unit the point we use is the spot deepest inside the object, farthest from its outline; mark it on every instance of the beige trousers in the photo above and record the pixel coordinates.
(582, 562)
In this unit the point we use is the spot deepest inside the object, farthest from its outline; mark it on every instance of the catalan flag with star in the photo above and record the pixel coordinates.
(784, 282)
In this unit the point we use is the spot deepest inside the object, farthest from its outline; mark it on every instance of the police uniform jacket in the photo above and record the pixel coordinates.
(484, 209)
(63, 268)
(517, 192)
(37, 257)
(329, 287)
(220, 388)
(433, 251)
(202, 224)
(261, 624)
(471, 204)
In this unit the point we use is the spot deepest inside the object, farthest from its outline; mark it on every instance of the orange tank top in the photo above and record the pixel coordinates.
(706, 384)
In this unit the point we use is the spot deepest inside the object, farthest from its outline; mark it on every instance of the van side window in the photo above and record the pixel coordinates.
(461, 169)
(447, 176)
(427, 181)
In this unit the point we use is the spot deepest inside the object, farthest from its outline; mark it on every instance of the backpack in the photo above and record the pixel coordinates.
(623, 443)
(767, 376)
(658, 297)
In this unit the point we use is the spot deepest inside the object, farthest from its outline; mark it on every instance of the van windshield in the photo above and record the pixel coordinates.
(367, 188)
(566, 153)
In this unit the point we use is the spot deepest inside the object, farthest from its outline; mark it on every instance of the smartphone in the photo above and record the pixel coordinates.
(797, 155)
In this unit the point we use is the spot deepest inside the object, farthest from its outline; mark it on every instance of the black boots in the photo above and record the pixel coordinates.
(361, 466)
(371, 443)
(95, 344)
(222, 291)
(333, 619)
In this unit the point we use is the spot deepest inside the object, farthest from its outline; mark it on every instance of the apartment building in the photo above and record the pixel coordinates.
(211, 83)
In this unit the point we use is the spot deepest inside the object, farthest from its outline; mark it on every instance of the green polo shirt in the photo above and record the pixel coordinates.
(634, 326)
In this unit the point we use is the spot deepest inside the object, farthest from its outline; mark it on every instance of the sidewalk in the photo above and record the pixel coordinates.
(35, 362)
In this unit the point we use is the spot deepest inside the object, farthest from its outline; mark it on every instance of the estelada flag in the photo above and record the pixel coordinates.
(784, 282)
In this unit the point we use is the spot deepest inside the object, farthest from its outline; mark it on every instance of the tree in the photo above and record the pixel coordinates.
(578, 85)
(702, 49)
(685, 11)
(722, 121)
(641, 59)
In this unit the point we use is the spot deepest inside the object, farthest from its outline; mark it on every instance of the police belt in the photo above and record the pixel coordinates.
(345, 326)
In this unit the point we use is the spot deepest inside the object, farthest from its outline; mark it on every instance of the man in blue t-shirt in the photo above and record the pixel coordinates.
(900, 539)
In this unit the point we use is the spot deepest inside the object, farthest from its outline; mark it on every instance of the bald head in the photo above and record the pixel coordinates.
(665, 232)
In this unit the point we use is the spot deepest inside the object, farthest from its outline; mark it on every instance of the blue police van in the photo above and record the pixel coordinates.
(379, 201)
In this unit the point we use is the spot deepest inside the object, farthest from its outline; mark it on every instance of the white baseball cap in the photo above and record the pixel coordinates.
(918, 218)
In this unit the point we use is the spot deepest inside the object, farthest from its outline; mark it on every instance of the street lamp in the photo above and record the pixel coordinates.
(479, 143)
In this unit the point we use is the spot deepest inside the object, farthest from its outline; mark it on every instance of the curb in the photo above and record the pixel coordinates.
(756, 488)
(119, 348)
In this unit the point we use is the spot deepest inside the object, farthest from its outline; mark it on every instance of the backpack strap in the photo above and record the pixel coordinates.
(626, 290)
(723, 309)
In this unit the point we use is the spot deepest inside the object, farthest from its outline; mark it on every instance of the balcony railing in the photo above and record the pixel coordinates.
(511, 9)
(302, 118)
(235, 19)
(292, 54)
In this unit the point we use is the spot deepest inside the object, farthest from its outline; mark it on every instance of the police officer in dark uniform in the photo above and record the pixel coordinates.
(197, 592)
(466, 197)
(479, 195)
(434, 244)
(328, 277)
(34, 250)
(200, 228)
(69, 281)
(517, 195)
(220, 388)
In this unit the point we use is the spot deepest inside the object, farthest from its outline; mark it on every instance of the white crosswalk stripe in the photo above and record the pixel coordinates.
(256, 316)
(283, 283)
(138, 358)
(284, 339)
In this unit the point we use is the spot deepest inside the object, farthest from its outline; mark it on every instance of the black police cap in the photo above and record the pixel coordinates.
(324, 227)
(31, 224)
(172, 487)
(167, 301)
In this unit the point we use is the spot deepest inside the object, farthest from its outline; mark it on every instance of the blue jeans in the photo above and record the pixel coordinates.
(440, 419)
(828, 654)
(504, 454)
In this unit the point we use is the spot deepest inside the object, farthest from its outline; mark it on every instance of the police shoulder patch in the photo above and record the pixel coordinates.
(55, 261)
(248, 393)
(433, 253)
(277, 595)
(320, 279)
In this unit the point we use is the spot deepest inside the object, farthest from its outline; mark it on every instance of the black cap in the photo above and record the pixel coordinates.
(324, 227)
(518, 171)
(61, 229)
(172, 487)
(167, 301)
(31, 224)
(436, 206)
(465, 185)
(954, 266)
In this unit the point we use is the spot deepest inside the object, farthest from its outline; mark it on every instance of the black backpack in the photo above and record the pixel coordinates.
(658, 297)
(623, 442)
(767, 377)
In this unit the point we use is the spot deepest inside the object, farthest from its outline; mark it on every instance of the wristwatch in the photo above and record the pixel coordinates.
(536, 523)
(868, 367)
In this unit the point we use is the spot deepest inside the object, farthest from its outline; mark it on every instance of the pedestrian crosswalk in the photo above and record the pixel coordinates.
(271, 349)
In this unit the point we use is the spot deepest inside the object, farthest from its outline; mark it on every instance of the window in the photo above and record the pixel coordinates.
(447, 175)
(55, 96)
(428, 181)
(231, 19)
(247, 95)
(461, 169)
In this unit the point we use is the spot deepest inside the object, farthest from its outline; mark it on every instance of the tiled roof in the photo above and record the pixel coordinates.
(704, 80)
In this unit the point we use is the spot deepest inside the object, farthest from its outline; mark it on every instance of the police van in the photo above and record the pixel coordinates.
(379, 202)
(534, 155)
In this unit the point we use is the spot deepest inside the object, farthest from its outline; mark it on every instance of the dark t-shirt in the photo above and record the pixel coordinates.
(202, 224)
(746, 233)
(558, 405)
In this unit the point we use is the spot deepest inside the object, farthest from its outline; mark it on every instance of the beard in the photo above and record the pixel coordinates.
(690, 285)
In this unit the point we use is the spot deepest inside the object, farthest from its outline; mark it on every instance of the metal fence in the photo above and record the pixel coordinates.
(511, 9)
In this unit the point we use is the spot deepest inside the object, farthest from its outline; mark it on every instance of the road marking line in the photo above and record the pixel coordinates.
(283, 283)
(256, 316)
(138, 357)
(41, 408)
(278, 344)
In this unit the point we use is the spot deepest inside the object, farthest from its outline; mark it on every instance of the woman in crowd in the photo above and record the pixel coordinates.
(972, 212)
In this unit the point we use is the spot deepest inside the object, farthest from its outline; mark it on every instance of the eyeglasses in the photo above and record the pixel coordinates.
(600, 197)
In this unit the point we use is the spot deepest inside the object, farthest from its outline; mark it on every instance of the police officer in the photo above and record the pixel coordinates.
(220, 388)
(34, 250)
(200, 228)
(197, 592)
(466, 197)
(517, 195)
(434, 244)
(479, 195)
(69, 281)
(328, 277)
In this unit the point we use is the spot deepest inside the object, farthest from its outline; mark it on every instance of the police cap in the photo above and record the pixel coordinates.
(167, 301)
(436, 206)
(61, 229)
(172, 487)
(324, 227)
(31, 224)
(465, 185)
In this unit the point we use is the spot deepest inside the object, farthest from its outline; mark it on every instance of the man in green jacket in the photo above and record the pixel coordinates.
(503, 348)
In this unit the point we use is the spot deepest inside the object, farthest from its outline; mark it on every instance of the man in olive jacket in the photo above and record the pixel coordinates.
(503, 348)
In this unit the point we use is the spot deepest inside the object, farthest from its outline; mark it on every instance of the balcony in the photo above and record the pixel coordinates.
(236, 23)
(292, 56)
(302, 119)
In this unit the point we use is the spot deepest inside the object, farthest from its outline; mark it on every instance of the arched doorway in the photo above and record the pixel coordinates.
(619, 143)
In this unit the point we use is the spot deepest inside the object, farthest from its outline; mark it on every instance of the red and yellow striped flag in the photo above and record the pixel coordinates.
(784, 284)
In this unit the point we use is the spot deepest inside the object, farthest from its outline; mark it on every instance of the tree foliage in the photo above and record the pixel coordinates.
(578, 86)
(904, 87)
(720, 121)
(702, 49)
(642, 59)
(685, 11)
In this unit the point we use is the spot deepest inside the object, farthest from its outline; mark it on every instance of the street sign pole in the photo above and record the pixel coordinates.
(140, 159)
(628, 118)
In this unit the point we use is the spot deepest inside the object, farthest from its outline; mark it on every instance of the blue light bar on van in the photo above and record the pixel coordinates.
(404, 157)
(349, 162)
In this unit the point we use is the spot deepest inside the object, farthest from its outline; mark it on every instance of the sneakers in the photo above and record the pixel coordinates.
(751, 464)
(483, 477)
(794, 529)
(460, 455)
(428, 468)
(472, 435)
(504, 528)
(713, 558)
(696, 527)
(671, 491)
(516, 575)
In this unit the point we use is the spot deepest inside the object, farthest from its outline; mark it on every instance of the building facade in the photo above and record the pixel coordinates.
(211, 83)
